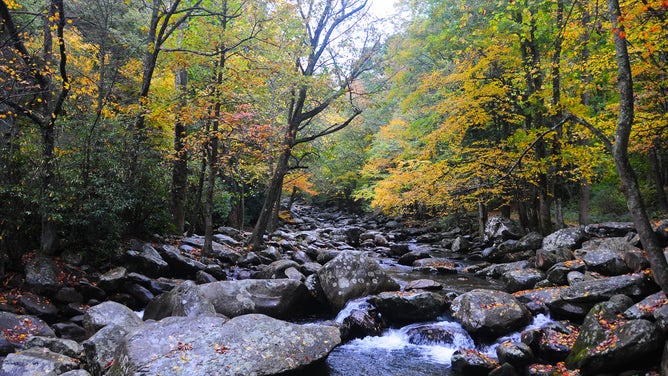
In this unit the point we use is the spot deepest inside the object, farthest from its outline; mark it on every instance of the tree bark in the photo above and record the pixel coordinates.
(626, 173)
(180, 164)
(657, 176)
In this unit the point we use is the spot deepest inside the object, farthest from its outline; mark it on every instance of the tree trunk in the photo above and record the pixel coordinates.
(583, 203)
(197, 206)
(628, 178)
(273, 193)
(180, 164)
(655, 166)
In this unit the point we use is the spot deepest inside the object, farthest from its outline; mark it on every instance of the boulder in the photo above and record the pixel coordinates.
(517, 354)
(556, 341)
(530, 241)
(423, 284)
(100, 349)
(570, 238)
(38, 306)
(58, 345)
(147, 260)
(489, 313)
(409, 258)
(361, 323)
(460, 244)
(605, 256)
(522, 279)
(645, 308)
(609, 344)
(440, 333)
(499, 228)
(352, 275)
(15, 330)
(400, 307)
(437, 265)
(113, 279)
(558, 273)
(471, 362)
(276, 269)
(635, 285)
(281, 298)
(103, 314)
(545, 259)
(37, 361)
(179, 265)
(41, 274)
(184, 300)
(246, 345)
(497, 271)
(609, 229)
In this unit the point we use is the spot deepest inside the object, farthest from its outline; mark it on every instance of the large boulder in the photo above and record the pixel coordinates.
(103, 314)
(471, 362)
(399, 307)
(571, 238)
(280, 298)
(499, 228)
(489, 313)
(100, 349)
(522, 279)
(179, 265)
(15, 330)
(608, 343)
(610, 229)
(352, 275)
(147, 260)
(184, 300)
(37, 362)
(246, 345)
(605, 256)
(42, 275)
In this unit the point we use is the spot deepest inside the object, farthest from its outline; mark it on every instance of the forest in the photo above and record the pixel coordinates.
(123, 119)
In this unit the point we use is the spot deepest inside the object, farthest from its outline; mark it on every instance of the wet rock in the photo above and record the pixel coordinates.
(41, 274)
(400, 307)
(636, 260)
(246, 345)
(530, 241)
(436, 265)
(517, 354)
(270, 254)
(57, 345)
(410, 257)
(147, 261)
(489, 313)
(227, 239)
(90, 291)
(635, 285)
(16, 329)
(68, 295)
(327, 255)
(499, 228)
(661, 318)
(609, 344)
(423, 284)
(399, 249)
(497, 271)
(361, 323)
(441, 333)
(522, 279)
(108, 313)
(570, 238)
(202, 277)
(281, 298)
(574, 277)
(76, 372)
(216, 271)
(37, 362)
(140, 294)
(556, 342)
(352, 275)
(471, 362)
(504, 369)
(100, 349)
(460, 244)
(184, 300)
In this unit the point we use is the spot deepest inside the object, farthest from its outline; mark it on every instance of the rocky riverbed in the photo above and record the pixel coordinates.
(342, 294)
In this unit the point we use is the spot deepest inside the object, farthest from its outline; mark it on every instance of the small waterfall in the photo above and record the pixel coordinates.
(360, 304)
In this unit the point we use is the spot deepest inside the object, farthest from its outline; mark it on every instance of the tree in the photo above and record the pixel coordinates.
(325, 24)
(634, 199)
(41, 100)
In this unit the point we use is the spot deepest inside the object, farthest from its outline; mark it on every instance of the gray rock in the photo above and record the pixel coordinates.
(530, 241)
(545, 259)
(610, 229)
(37, 362)
(100, 349)
(433, 264)
(147, 261)
(410, 257)
(605, 256)
(361, 323)
(497, 271)
(499, 228)
(352, 275)
(471, 362)
(645, 308)
(16, 329)
(634, 285)
(179, 265)
(423, 284)
(276, 269)
(460, 244)
(202, 277)
(246, 345)
(517, 354)
(609, 344)
(570, 238)
(66, 347)
(107, 313)
(184, 300)
(522, 279)
(41, 274)
(558, 272)
(113, 279)
(489, 313)
(281, 298)
(38, 306)
(76, 372)
(441, 333)
(405, 307)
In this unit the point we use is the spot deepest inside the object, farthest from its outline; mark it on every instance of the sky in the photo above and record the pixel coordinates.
(382, 8)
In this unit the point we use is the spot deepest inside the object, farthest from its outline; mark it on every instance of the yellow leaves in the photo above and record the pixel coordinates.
(13, 5)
